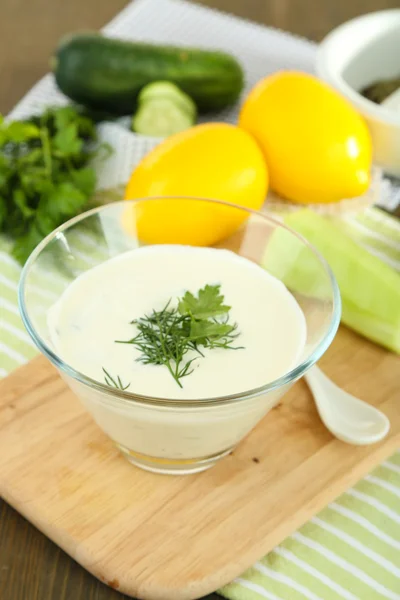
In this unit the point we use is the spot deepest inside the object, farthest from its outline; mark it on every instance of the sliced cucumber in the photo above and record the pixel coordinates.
(168, 91)
(160, 118)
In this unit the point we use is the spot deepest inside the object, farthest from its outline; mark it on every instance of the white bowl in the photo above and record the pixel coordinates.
(357, 54)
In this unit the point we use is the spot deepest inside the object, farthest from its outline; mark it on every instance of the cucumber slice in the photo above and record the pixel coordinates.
(369, 287)
(168, 91)
(160, 118)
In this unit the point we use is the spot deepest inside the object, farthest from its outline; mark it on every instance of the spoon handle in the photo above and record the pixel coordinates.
(319, 383)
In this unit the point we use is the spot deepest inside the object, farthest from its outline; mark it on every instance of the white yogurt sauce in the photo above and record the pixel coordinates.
(98, 307)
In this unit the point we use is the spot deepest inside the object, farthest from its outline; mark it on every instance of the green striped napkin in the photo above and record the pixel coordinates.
(351, 550)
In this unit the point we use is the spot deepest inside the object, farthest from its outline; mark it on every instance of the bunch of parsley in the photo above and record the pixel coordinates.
(44, 174)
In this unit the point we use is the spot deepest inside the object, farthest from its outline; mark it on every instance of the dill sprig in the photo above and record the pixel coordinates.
(117, 383)
(163, 340)
(166, 336)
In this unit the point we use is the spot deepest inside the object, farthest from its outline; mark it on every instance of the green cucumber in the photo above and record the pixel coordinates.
(168, 91)
(160, 118)
(108, 74)
(369, 287)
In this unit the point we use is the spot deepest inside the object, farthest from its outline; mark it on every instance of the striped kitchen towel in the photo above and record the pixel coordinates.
(351, 550)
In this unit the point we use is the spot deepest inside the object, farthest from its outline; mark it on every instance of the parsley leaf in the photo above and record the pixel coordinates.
(21, 201)
(85, 180)
(200, 330)
(20, 131)
(208, 304)
(67, 142)
(63, 117)
(64, 202)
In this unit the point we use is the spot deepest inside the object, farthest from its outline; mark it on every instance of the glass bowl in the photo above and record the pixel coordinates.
(177, 435)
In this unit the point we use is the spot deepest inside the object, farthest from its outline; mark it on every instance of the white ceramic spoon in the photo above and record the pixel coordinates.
(348, 418)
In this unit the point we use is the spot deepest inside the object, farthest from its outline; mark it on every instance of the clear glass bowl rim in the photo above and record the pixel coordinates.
(125, 396)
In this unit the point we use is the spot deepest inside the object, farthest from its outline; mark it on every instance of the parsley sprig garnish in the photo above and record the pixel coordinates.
(166, 336)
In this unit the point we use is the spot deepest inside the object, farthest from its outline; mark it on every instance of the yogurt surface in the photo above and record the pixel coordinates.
(98, 307)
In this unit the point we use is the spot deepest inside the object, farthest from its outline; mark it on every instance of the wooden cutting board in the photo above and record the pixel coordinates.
(177, 538)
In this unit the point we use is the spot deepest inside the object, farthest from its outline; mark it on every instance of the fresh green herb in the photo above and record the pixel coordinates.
(166, 336)
(117, 383)
(163, 339)
(44, 174)
(208, 304)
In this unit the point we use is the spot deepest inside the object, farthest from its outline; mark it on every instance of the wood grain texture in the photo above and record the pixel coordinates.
(32, 567)
(178, 538)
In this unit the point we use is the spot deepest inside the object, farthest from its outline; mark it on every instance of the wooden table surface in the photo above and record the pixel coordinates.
(32, 567)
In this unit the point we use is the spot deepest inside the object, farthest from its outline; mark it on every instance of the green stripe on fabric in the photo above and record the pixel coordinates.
(30, 353)
(8, 363)
(10, 271)
(387, 464)
(362, 534)
(5, 248)
(9, 308)
(5, 244)
(15, 340)
(383, 509)
(246, 590)
(284, 580)
(371, 514)
(370, 487)
(8, 293)
(11, 317)
(285, 560)
(11, 280)
(278, 588)
(388, 474)
(384, 575)
(386, 497)
(302, 574)
(333, 566)
(395, 459)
